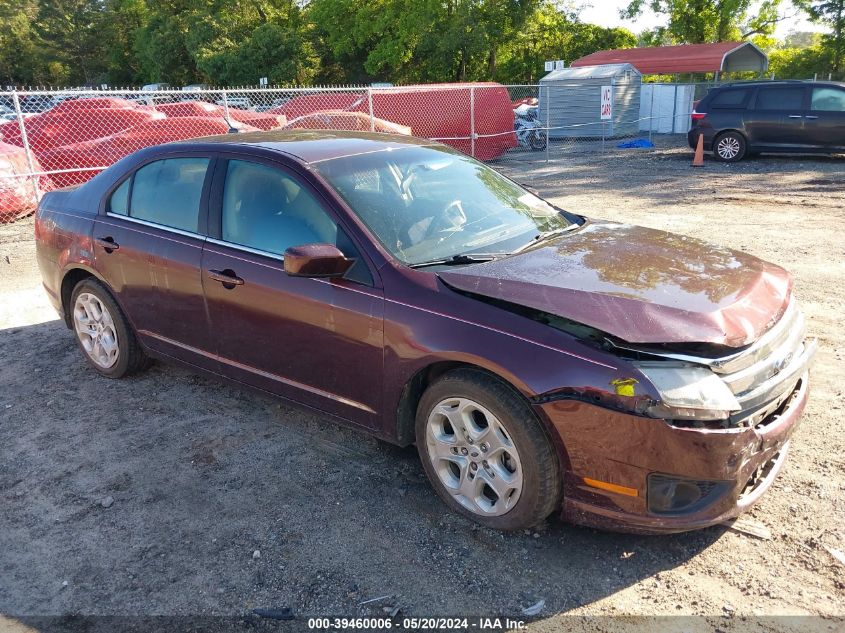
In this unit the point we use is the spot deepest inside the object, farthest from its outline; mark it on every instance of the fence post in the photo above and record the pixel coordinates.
(226, 109)
(548, 118)
(370, 104)
(472, 120)
(651, 113)
(27, 150)
(674, 108)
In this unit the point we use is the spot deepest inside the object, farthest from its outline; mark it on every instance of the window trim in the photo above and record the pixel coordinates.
(203, 212)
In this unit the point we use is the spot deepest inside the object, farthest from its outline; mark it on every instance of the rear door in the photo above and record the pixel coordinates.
(777, 119)
(825, 120)
(148, 247)
(315, 341)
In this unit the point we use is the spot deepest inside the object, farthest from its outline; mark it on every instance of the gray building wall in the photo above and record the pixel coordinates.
(570, 99)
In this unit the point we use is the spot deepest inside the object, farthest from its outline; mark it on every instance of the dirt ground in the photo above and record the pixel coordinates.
(221, 501)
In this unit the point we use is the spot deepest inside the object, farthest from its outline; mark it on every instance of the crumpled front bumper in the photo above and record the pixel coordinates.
(623, 449)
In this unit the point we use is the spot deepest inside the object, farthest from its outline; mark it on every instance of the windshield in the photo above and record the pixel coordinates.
(430, 203)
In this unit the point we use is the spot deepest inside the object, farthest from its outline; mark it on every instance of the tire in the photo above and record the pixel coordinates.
(729, 147)
(103, 333)
(502, 442)
(537, 144)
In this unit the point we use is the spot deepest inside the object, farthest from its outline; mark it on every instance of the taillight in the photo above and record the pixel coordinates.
(697, 116)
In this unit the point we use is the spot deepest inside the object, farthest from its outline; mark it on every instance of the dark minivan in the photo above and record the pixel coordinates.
(772, 116)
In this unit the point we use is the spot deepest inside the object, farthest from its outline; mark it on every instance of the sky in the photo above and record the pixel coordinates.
(606, 13)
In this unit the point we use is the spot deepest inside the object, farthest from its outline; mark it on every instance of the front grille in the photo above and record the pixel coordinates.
(765, 374)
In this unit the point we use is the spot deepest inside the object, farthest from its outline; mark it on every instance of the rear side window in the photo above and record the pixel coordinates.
(168, 192)
(119, 201)
(730, 99)
(781, 98)
(828, 100)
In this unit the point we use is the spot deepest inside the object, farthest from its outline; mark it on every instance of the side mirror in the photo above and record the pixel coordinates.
(316, 260)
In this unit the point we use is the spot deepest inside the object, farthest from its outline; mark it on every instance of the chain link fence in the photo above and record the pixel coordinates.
(53, 139)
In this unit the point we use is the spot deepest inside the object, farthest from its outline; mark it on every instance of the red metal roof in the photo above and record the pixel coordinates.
(667, 60)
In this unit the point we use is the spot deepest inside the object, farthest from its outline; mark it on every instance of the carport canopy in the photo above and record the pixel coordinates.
(687, 58)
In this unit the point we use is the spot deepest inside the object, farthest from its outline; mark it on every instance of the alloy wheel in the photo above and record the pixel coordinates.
(728, 147)
(474, 456)
(95, 328)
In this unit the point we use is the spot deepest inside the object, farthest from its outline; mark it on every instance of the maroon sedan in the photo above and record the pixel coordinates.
(629, 378)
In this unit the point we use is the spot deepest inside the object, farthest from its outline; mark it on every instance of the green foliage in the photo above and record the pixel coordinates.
(799, 63)
(832, 14)
(701, 21)
(551, 34)
(234, 42)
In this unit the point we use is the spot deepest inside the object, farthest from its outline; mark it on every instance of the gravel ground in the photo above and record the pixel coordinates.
(173, 494)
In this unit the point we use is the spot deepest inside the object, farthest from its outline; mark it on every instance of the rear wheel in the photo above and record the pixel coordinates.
(103, 332)
(485, 452)
(729, 147)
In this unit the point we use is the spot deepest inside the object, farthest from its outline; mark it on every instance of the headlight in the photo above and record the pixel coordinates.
(688, 392)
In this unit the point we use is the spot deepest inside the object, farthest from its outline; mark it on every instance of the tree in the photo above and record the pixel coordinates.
(72, 33)
(701, 21)
(553, 34)
(122, 23)
(19, 63)
(832, 14)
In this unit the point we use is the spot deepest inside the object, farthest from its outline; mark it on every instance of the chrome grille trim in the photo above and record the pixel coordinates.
(780, 355)
(764, 346)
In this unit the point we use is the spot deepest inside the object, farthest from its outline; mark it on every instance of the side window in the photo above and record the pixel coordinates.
(266, 209)
(828, 100)
(786, 98)
(730, 99)
(119, 200)
(168, 192)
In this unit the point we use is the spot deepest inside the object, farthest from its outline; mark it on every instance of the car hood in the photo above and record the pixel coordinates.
(639, 285)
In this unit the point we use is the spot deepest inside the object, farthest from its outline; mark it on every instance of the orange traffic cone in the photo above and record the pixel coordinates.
(698, 160)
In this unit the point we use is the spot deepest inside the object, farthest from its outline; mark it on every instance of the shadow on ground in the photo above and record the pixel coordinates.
(169, 493)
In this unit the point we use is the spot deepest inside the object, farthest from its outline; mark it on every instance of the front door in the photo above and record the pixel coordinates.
(148, 248)
(315, 341)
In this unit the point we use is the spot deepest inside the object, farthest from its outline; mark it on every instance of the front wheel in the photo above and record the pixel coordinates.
(729, 147)
(538, 141)
(485, 452)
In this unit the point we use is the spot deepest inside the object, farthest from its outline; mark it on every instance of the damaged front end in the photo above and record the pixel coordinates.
(702, 451)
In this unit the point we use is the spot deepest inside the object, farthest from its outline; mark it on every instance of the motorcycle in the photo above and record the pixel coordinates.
(528, 128)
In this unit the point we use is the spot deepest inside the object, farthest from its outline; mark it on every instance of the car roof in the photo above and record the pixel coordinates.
(312, 146)
(779, 82)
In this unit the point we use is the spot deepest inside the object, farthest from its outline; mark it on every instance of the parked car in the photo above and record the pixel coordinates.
(773, 116)
(540, 360)
(80, 161)
(243, 103)
(451, 112)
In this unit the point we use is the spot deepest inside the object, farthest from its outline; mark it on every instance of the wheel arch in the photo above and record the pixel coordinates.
(71, 277)
(412, 391)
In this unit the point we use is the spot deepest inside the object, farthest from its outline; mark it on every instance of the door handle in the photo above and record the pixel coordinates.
(226, 277)
(794, 116)
(107, 243)
(811, 116)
